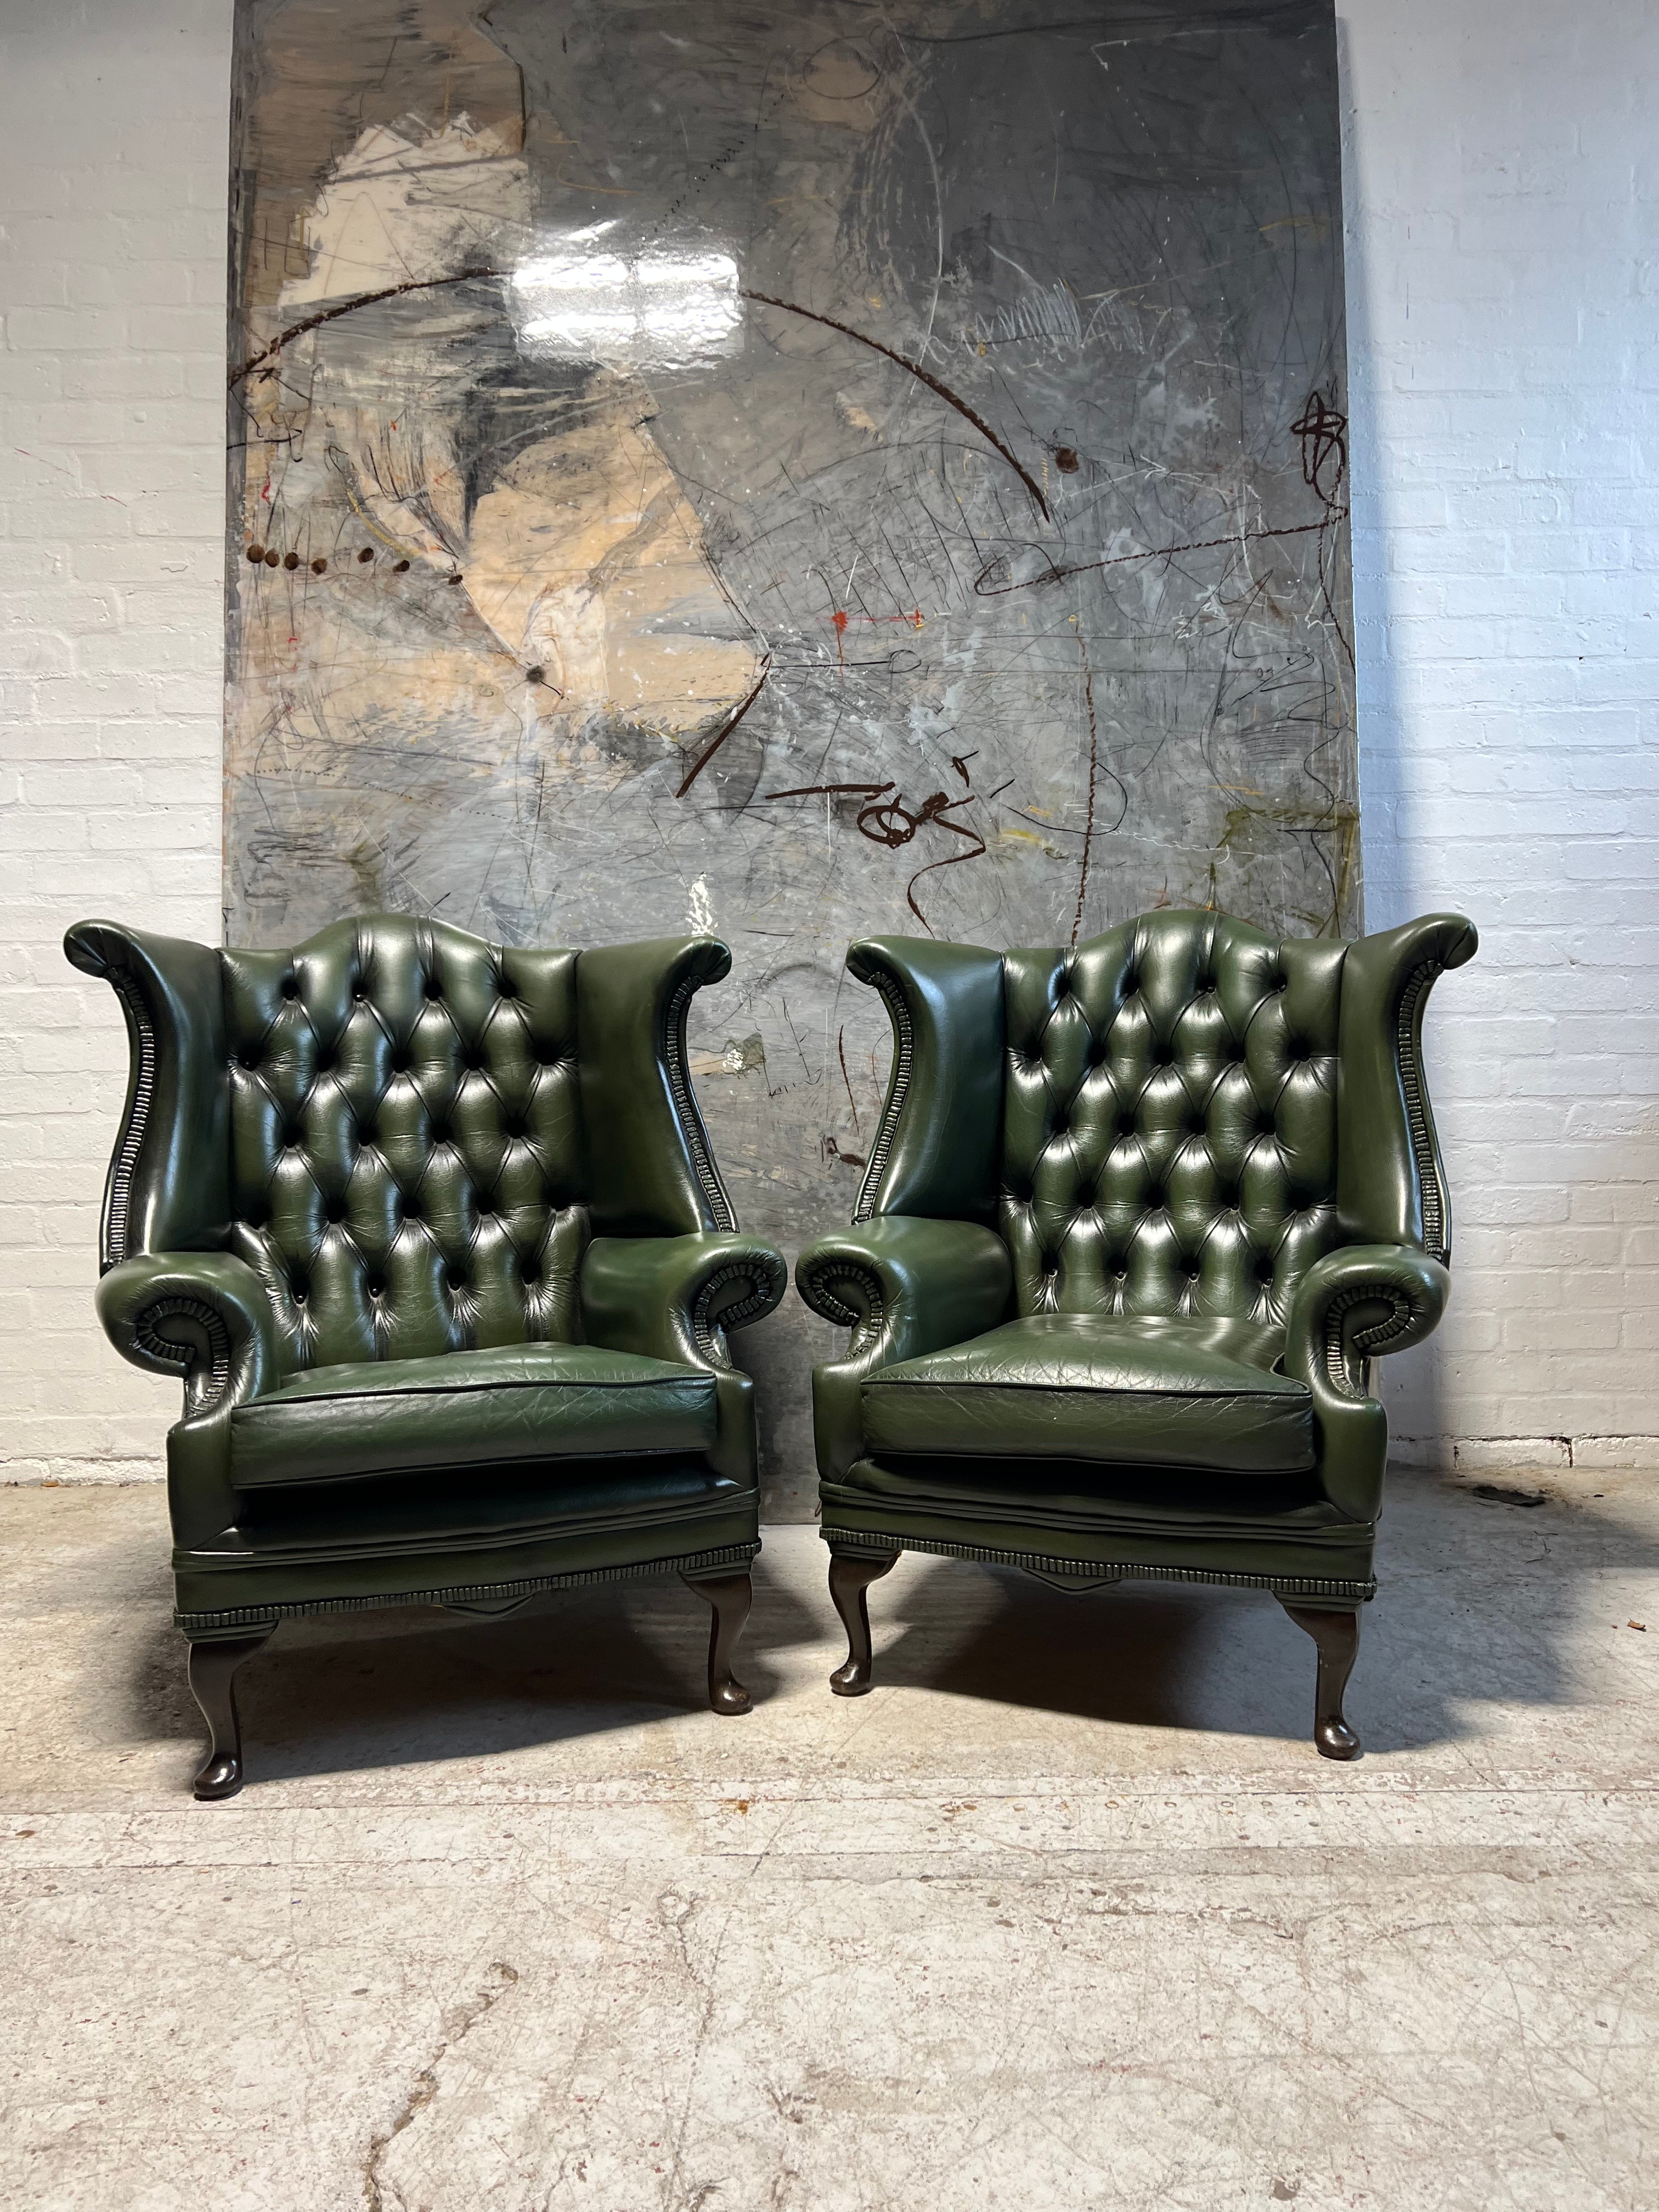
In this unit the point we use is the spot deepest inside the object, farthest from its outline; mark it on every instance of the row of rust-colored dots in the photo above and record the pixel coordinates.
(272, 559)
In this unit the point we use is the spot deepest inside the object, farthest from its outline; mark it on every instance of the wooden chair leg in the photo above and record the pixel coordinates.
(1335, 1632)
(731, 1597)
(851, 1574)
(212, 1682)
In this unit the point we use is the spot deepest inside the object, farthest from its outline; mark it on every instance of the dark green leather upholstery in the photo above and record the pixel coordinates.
(1137, 1218)
(354, 1204)
(1183, 1394)
(468, 1409)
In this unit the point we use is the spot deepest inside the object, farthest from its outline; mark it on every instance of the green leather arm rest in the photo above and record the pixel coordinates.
(1350, 1307)
(206, 1318)
(677, 1297)
(904, 1286)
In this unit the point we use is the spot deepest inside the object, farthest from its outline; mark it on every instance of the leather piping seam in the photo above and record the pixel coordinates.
(685, 1104)
(1407, 1045)
(117, 1204)
(149, 1341)
(888, 1380)
(862, 1540)
(898, 1012)
(815, 1288)
(248, 1616)
(419, 1390)
(711, 1334)
(1375, 1340)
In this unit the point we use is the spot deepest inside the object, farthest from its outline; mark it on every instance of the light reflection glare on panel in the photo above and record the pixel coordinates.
(584, 301)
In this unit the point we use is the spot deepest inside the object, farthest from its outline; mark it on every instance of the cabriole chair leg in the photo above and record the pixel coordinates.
(851, 1574)
(1336, 1631)
(731, 1597)
(212, 1682)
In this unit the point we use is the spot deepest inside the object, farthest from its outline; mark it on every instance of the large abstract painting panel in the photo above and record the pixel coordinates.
(796, 471)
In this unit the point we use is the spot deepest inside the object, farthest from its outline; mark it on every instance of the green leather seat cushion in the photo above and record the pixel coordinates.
(1083, 1387)
(520, 1402)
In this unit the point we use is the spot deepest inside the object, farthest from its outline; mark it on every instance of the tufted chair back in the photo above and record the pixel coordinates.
(405, 1140)
(1177, 1119)
(1169, 1140)
(407, 1133)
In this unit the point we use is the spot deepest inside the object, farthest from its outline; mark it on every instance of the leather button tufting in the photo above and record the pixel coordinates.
(290, 988)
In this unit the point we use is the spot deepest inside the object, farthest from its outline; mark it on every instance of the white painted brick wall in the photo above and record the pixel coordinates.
(1504, 196)
(113, 162)
(1502, 193)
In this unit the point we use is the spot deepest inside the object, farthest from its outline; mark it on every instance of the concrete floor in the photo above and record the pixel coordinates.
(1068, 1914)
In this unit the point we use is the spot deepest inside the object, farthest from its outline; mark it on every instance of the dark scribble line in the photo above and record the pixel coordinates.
(1051, 574)
(703, 758)
(1322, 428)
(348, 307)
(841, 1047)
(1089, 818)
(818, 790)
(922, 376)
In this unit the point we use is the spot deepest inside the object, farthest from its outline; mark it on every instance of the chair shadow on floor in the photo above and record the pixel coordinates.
(1480, 1603)
(417, 1686)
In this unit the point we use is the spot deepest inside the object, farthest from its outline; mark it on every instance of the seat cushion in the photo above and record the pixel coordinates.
(1198, 1393)
(518, 1402)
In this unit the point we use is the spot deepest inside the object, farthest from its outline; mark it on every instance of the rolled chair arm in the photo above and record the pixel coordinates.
(1352, 1306)
(677, 1297)
(202, 1316)
(904, 1286)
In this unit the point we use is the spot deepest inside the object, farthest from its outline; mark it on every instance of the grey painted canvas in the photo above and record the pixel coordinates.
(792, 470)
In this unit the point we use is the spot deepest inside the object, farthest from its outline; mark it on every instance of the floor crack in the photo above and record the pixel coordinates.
(424, 2087)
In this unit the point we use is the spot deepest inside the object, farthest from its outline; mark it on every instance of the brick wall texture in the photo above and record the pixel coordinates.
(1502, 190)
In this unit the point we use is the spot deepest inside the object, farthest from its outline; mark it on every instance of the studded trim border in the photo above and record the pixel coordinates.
(1408, 1037)
(117, 1197)
(815, 1288)
(207, 1386)
(685, 1103)
(766, 1292)
(252, 1616)
(861, 1540)
(898, 1012)
(1370, 1342)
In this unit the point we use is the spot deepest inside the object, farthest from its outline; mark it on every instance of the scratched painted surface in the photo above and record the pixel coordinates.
(792, 472)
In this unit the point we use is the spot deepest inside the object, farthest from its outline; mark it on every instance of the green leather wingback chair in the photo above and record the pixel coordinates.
(431, 1231)
(1136, 1220)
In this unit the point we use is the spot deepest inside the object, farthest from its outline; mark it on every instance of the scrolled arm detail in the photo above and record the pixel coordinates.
(1353, 1305)
(1358, 1304)
(678, 1297)
(904, 1285)
(843, 1290)
(203, 1317)
(732, 1296)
